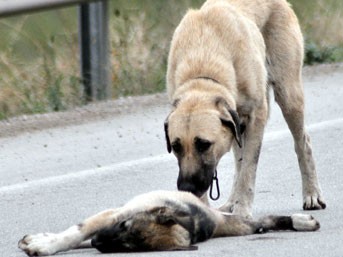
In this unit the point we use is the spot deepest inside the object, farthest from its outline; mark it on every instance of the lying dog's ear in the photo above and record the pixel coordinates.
(164, 216)
(167, 135)
(230, 119)
(168, 217)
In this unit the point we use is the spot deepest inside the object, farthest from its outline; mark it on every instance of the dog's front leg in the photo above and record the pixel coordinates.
(246, 158)
(50, 243)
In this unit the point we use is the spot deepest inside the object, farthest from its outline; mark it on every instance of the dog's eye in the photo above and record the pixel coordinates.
(202, 145)
(176, 146)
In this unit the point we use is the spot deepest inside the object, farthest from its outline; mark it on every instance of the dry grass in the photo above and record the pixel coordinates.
(34, 88)
(136, 58)
(140, 36)
(39, 70)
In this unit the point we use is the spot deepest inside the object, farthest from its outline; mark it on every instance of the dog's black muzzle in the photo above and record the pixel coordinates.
(197, 184)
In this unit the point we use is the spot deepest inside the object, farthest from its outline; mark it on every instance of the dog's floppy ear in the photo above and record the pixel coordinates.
(230, 119)
(168, 217)
(234, 124)
(165, 216)
(175, 103)
(167, 135)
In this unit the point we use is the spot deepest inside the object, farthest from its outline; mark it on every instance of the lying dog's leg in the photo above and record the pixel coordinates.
(285, 55)
(297, 222)
(50, 243)
(234, 225)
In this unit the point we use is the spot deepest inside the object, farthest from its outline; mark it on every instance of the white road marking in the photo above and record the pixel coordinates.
(87, 173)
(268, 137)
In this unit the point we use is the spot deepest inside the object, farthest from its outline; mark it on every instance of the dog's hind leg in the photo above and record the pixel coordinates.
(44, 244)
(235, 225)
(284, 44)
(297, 222)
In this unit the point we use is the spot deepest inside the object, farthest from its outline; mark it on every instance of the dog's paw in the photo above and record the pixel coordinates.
(42, 244)
(236, 209)
(304, 222)
(314, 202)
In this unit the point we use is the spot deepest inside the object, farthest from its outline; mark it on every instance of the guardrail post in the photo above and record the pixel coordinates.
(94, 50)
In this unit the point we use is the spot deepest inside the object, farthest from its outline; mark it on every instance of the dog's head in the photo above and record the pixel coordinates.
(199, 132)
(156, 229)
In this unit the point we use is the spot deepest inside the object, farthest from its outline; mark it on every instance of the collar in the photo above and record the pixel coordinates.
(208, 78)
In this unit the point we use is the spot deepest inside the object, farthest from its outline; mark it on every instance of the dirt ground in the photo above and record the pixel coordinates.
(107, 109)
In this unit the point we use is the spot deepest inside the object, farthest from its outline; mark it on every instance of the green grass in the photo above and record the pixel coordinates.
(321, 22)
(39, 58)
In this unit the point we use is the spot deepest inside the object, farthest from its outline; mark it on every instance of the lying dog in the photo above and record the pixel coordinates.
(159, 221)
(222, 57)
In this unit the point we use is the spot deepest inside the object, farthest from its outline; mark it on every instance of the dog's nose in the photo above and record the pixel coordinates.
(188, 185)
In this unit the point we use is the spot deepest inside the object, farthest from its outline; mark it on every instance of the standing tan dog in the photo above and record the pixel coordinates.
(222, 59)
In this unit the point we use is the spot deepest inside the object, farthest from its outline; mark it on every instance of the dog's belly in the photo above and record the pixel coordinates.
(159, 198)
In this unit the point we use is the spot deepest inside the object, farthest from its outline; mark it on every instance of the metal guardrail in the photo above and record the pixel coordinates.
(93, 38)
(15, 7)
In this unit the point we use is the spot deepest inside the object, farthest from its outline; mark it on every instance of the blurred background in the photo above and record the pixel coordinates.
(39, 53)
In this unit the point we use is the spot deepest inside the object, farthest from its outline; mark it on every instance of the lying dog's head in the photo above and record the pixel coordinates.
(199, 132)
(157, 229)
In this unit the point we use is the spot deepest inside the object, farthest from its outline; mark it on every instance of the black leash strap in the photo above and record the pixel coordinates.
(215, 180)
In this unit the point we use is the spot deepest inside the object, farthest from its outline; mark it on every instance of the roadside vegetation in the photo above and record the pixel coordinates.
(321, 22)
(39, 59)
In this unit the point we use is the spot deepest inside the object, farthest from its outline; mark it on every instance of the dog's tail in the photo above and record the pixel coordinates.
(297, 222)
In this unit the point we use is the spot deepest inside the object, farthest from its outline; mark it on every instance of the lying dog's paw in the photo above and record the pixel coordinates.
(39, 245)
(314, 202)
(304, 222)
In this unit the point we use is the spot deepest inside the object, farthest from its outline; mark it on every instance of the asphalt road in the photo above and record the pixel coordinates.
(53, 178)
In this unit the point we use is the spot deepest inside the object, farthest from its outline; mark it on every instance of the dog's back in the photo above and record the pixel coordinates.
(225, 37)
(262, 12)
(217, 41)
